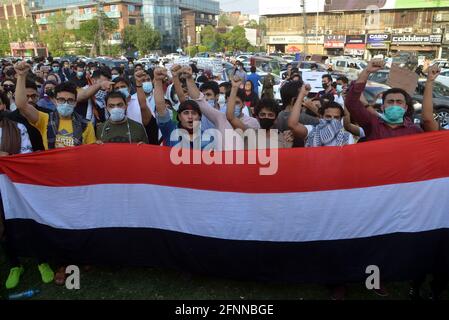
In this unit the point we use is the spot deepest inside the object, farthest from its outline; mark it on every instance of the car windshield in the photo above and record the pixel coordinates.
(440, 90)
(380, 77)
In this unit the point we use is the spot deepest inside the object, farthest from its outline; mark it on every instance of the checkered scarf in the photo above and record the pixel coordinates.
(328, 133)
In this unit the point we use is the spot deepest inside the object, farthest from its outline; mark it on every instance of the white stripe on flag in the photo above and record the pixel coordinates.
(289, 217)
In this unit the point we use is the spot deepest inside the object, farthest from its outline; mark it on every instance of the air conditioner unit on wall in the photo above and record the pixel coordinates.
(397, 31)
(436, 30)
(408, 30)
(438, 17)
(328, 32)
(388, 29)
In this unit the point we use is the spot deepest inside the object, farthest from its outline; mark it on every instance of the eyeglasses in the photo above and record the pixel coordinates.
(70, 101)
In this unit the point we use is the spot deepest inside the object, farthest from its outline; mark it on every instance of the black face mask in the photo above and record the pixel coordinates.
(325, 85)
(266, 123)
(50, 92)
(9, 88)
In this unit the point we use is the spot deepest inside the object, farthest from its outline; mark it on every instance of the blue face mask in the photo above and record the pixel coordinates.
(394, 115)
(211, 103)
(147, 87)
(124, 91)
(117, 114)
(114, 76)
(237, 111)
(65, 110)
(339, 88)
(55, 69)
(80, 74)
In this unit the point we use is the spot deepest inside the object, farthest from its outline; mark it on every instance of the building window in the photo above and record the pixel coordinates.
(113, 8)
(131, 8)
(211, 17)
(87, 10)
(202, 16)
(132, 21)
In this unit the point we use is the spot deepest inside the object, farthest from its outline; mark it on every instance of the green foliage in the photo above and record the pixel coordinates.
(113, 50)
(141, 37)
(5, 49)
(224, 21)
(216, 42)
(57, 34)
(89, 30)
(192, 50)
(252, 24)
(21, 30)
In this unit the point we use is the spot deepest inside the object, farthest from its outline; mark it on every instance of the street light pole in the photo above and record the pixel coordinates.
(304, 15)
(100, 25)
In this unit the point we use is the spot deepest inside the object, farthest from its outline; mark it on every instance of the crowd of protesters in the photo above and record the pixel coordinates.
(57, 104)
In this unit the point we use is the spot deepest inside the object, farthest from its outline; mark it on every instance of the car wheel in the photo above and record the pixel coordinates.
(442, 116)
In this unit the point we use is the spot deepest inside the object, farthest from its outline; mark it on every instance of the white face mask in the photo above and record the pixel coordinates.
(221, 99)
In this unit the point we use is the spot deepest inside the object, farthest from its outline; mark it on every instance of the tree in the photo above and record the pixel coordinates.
(236, 39)
(252, 24)
(21, 29)
(142, 37)
(223, 21)
(57, 34)
(5, 49)
(88, 32)
(211, 39)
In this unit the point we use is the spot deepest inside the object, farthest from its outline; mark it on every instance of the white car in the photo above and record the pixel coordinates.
(148, 61)
(173, 56)
(288, 58)
(243, 57)
(444, 77)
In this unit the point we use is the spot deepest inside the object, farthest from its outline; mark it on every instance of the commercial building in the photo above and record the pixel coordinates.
(358, 28)
(180, 21)
(11, 10)
(125, 12)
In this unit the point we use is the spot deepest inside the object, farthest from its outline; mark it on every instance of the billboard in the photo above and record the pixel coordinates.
(416, 39)
(349, 5)
(270, 7)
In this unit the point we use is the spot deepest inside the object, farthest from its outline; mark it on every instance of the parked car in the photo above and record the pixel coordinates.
(444, 77)
(440, 99)
(243, 58)
(306, 66)
(380, 76)
(351, 67)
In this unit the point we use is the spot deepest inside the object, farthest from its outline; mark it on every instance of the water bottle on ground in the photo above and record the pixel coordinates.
(24, 294)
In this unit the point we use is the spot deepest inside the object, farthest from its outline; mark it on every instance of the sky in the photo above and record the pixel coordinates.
(245, 6)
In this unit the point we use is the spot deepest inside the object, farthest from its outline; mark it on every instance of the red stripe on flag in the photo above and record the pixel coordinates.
(390, 161)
